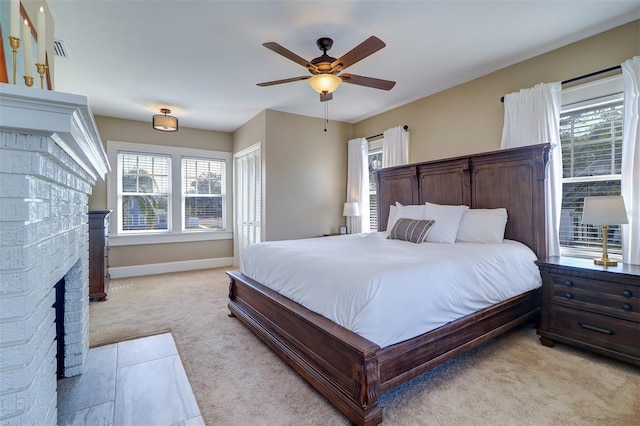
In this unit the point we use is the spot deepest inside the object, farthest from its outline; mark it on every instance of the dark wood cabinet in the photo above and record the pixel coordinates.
(98, 254)
(591, 307)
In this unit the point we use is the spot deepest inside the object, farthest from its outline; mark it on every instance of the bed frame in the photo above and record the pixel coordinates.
(351, 371)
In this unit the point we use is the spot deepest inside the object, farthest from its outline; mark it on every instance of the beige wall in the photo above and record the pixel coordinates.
(251, 132)
(468, 118)
(306, 174)
(138, 132)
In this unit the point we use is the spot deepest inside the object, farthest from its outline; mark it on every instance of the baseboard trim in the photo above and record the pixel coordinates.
(164, 268)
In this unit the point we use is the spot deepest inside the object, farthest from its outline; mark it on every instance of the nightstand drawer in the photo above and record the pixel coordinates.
(599, 330)
(600, 296)
(628, 309)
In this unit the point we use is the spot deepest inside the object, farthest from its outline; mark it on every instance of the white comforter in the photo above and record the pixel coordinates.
(388, 290)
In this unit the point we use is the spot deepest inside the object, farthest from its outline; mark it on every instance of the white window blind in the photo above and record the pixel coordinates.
(375, 163)
(591, 138)
(143, 192)
(203, 193)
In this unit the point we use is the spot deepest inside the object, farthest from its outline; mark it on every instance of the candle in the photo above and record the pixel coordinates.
(42, 37)
(15, 18)
(26, 41)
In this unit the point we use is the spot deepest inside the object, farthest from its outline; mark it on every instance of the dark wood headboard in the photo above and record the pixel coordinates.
(510, 178)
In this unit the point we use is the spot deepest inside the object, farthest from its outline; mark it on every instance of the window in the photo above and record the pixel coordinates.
(167, 194)
(375, 163)
(143, 192)
(203, 184)
(591, 140)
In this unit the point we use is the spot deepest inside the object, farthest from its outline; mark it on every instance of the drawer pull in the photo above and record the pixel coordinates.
(598, 329)
(626, 307)
(568, 283)
(568, 295)
(626, 293)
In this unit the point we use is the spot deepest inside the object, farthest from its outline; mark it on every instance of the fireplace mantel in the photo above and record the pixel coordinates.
(65, 117)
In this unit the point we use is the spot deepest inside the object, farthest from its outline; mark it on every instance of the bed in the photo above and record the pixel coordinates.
(350, 370)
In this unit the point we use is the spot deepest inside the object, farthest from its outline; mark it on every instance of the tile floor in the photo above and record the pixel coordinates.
(136, 382)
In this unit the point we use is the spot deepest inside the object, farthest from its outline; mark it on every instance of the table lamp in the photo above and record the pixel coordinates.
(351, 210)
(604, 211)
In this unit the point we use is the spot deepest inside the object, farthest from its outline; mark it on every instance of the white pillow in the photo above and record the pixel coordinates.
(483, 226)
(393, 215)
(447, 220)
(408, 212)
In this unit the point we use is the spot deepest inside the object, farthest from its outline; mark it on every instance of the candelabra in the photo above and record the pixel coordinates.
(28, 80)
(14, 42)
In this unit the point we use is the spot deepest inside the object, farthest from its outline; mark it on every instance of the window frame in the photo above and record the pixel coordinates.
(176, 233)
(184, 195)
(120, 186)
(591, 94)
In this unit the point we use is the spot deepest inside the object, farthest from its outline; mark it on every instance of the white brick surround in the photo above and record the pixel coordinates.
(50, 157)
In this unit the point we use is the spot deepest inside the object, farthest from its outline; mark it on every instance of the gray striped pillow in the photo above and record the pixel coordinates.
(413, 230)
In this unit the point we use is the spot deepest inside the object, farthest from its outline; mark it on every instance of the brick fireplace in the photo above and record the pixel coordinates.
(50, 157)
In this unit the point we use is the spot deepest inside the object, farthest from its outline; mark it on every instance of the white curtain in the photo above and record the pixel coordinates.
(532, 116)
(358, 182)
(395, 147)
(631, 161)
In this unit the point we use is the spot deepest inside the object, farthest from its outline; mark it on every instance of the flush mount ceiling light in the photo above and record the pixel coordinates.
(164, 122)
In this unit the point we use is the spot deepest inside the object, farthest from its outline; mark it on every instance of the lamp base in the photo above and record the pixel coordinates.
(605, 262)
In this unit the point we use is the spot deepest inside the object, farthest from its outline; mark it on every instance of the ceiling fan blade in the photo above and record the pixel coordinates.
(376, 83)
(326, 97)
(289, 55)
(361, 51)
(286, 80)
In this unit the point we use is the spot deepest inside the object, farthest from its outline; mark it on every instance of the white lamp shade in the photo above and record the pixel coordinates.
(325, 83)
(607, 210)
(351, 209)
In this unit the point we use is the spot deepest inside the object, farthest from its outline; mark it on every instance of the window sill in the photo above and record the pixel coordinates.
(185, 237)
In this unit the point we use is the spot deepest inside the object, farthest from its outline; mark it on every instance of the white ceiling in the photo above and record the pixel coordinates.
(202, 59)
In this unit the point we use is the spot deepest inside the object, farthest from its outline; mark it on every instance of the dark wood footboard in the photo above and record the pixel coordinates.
(351, 371)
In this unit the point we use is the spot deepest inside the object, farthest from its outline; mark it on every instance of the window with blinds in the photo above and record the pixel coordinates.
(375, 163)
(203, 184)
(144, 184)
(591, 140)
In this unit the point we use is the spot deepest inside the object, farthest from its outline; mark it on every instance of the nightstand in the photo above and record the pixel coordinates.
(591, 307)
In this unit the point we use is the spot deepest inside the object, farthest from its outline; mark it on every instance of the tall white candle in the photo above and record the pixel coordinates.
(15, 18)
(42, 36)
(26, 41)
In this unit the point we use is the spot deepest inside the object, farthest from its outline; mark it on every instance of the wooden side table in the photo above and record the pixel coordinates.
(591, 307)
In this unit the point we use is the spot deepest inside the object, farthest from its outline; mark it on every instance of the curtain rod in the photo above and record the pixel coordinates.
(582, 77)
(405, 127)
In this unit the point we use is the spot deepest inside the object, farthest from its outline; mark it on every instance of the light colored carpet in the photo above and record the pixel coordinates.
(237, 380)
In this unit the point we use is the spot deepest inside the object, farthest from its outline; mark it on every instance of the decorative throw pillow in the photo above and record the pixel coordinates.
(413, 230)
(447, 220)
(483, 226)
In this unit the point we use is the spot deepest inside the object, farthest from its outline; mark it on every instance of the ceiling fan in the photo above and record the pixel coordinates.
(325, 70)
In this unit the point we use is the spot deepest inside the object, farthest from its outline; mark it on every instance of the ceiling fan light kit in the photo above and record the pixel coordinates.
(325, 83)
(165, 122)
(326, 70)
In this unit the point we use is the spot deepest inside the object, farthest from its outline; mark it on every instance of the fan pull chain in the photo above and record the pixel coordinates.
(326, 115)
